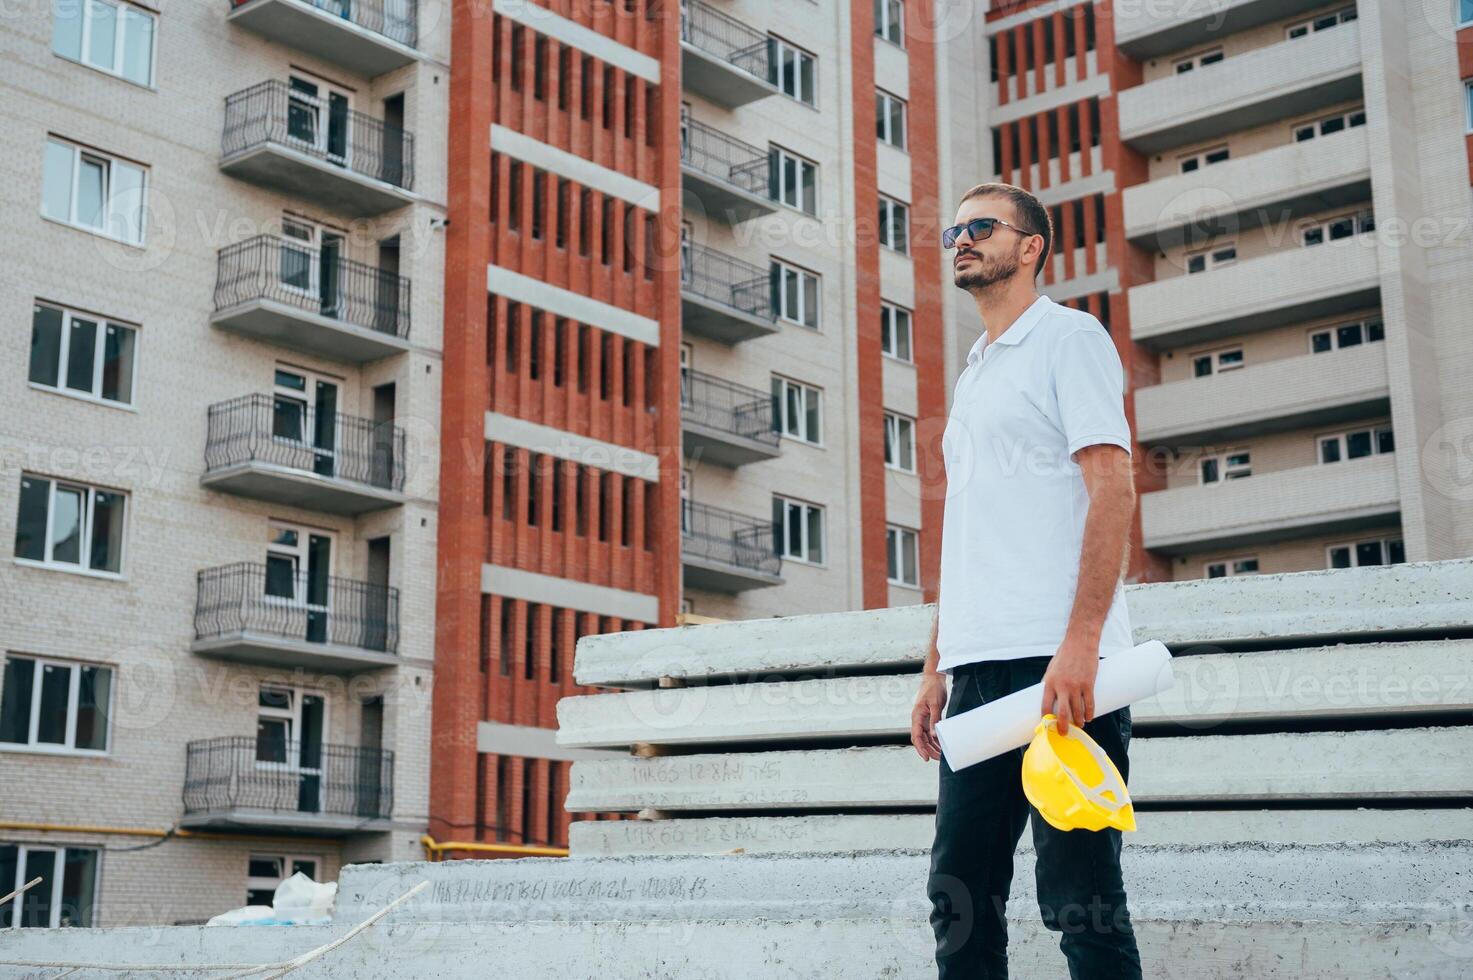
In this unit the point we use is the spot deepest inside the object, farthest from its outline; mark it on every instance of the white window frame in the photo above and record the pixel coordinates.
(1309, 25)
(890, 327)
(900, 541)
(74, 688)
(84, 10)
(1226, 469)
(1216, 358)
(319, 103)
(83, 566)
(1350, 118)
(308, 397)
(292, 715)
(104, 324)
(1200, 158)
(1385, 544)
(1333, 332)
(58, 877)
(780, 157)
(1194, 61)
(1211, 258)
(299, 554)
(889, 208)
(885, 105)
(1342, 441)
(799, 275)
(1230, 566)
(900, 442)
(1362, 222)
(883, 21)
(808, 510)
(288, 862)
(779, 50)
(789, 428)
(109, 207)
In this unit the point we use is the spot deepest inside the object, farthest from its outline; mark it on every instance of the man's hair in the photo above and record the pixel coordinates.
(1033, 216)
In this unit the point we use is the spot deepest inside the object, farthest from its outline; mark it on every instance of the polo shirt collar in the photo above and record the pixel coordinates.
(1017, 330)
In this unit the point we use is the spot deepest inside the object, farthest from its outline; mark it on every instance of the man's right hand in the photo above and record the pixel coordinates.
(929, 708)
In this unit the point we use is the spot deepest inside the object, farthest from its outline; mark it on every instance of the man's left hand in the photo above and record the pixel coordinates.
(1069, 682)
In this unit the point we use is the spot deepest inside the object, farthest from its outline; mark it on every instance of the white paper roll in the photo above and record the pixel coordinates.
(991, 729)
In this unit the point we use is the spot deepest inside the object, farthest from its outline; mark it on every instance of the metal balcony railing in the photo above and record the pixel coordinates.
(270, 429)
(727, 280)
(723, 36)
(716, 534)
(271, 112)
(250, 597)
(397, 20)
(725, 158)
(728, 407)
(260, 772)
(269, 267)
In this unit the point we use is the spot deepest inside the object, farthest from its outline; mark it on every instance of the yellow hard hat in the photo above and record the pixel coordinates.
(1072, 782)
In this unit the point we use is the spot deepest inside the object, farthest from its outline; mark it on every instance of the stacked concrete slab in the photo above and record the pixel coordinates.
(1303, 795)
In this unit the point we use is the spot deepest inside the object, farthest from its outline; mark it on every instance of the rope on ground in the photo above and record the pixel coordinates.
(282, 968)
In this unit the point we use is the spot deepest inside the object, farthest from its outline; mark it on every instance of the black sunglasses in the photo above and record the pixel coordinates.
(978, 229)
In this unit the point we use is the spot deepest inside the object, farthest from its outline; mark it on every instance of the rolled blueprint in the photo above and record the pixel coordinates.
(991, 729)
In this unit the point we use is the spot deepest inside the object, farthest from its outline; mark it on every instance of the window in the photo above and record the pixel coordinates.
(795, 410)
(1468, 103)
(1202, 158)
(894, 220)
(1329, 124)
(289, 728)
(890, 119)
(1198, 60)
(1212, 258)
(794, 180)
(93, 191)
(1231, 567)
(1339, 227)
(900, 556)
(66, 894)
(795, 294)
(890, 21)
(52, 704)
(798, 530)
(1346, 335)
(1465, 12)
(1225, 466)
(1372, 441)
(1215, 362)
(900, 443)
(80, 354)
(895, 332)
(113, 37)
(1319, 23)
(1377, 551)
(265, 871)
(69, 525)
(792, 70)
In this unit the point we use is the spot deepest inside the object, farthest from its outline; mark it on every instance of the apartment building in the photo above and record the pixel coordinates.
(218, 450)
(1276, 212)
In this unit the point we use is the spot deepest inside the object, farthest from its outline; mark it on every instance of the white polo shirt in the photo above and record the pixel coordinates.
(1013, 523)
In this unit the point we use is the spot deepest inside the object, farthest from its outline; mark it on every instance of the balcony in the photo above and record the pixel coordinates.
(277, 449)
(1271, 187)
(1291, 393)
(723, 298)
(727, 177)
(253, 613)
(724, 551)
(1335, 498)
(342, 161)
(312, 300)
(259, 783)
(724, 423)
(1283, 80)
(1287, 286)
(367, 37)
(721, 59)
(1150, 30)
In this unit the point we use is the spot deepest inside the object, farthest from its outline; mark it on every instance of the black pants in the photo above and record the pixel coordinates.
(979, 819)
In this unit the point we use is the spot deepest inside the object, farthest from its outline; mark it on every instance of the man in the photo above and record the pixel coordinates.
(1040, 497)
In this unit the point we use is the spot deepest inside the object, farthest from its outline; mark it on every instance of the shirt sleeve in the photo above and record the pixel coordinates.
(1089, 385)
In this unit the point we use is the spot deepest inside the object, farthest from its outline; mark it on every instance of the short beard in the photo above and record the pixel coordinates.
(987, 275)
